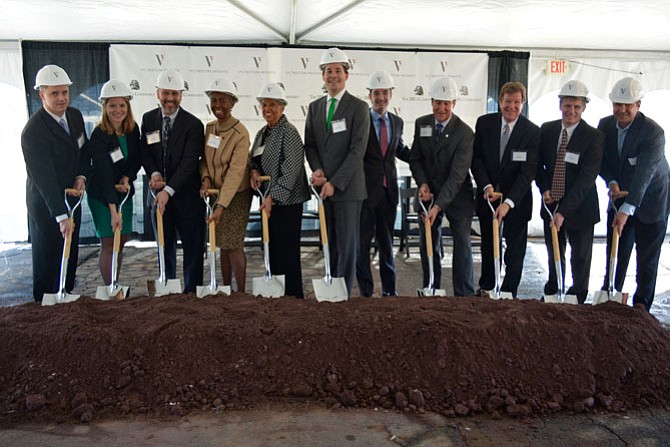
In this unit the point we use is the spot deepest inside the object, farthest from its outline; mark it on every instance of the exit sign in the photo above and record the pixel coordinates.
(557, 66)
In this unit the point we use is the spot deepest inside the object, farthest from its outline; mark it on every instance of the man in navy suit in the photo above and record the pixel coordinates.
(336, 135)
(506, 151)
(570, 156)
(381, 178)
(440, 161)
(173, 141)
(52, 143)
(634, 161)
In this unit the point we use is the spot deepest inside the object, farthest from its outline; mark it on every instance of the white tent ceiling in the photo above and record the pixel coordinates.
(641, 25)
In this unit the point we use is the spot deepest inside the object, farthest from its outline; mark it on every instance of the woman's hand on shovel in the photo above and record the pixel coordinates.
(266, 205)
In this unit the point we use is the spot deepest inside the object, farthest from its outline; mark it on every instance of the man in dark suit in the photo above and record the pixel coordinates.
(570, 156)
(634, 161)
(172, 143)
(336, 135)
(440, 161)
(506, 151)
(52, 143)
(381, 179)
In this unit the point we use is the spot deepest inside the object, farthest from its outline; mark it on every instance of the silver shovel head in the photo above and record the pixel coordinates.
(269, 287)
(104, 293)
(49, 299)
(333, 290)
(203, 291)
(603, 296)
(427, 291)
(160, 288)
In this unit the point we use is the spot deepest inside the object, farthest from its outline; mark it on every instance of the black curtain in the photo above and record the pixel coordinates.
(506, 66)
(87, 65)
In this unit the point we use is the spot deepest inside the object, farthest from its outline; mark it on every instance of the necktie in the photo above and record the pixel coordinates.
(438, 131)
(331, 111)
(504, 138)
(63, 124)
(558, 181)
(383, 140)
(166, 136)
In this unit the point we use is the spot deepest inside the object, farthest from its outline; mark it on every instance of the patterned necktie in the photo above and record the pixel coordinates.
(558, 181)
(64, 125)
(331, 111)
(438, 131)
(383, 140)
(504, 138)
(165, 138)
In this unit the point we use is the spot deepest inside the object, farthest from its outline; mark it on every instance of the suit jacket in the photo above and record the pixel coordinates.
(185, 147)
(445, 165)
(377, 166)
(512, 175)
(53, 160)
(579, 205)
(105, 172)
(642, 168)
(339, 154)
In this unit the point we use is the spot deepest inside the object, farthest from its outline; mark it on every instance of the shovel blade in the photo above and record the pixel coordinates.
(427, 291)
(49, 299)
(158, 288)
(120, 293)
(203, 291)
(492, 294)
(553, 299)
(600, 297)
(269, 287)
(570, 299)
(333, 292)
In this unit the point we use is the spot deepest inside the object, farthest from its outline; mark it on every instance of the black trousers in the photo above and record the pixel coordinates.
(648, 239)
(581, 246)
(285, 225)
(377, 222)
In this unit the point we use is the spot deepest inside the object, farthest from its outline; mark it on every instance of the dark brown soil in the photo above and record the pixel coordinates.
(173, 355)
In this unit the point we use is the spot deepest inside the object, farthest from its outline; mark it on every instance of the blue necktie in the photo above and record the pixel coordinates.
(63, 124)
(438, 131)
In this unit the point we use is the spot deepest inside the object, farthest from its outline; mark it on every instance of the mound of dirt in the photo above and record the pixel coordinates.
(456, 356)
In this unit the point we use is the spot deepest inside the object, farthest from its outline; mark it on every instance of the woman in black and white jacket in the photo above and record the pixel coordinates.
(278, 152)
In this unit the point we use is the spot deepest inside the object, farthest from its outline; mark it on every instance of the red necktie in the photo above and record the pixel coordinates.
(383, 140)
(558, 181)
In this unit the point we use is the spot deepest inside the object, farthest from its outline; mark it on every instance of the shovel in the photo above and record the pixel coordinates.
(602, 296)
(327, 288)
(49, 299)
(212, 288)
(560, 297)
(114, 291)
(496, 293)
(430, 290)
(268, 286)
(161, 286)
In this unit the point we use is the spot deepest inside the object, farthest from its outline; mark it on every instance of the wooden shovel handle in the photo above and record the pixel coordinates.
(429, 238)
(615, 243)
(73, 192)
(212, 236)
(496, 195)
(159, 227)
(68, 239)
(554, 243)
(212, 192)
(264, 178)
(265, 225)
(322, 224)
(117, 236)
(496, 239)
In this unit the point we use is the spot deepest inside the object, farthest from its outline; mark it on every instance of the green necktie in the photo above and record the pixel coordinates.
(331, 111)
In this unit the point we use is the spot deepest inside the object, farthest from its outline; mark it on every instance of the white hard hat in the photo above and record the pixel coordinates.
(170, 80)
(222, 86)
(380, 79)
(51, 75)
(444, 89)
(114, 89)
(272, 91)
(575, 88)
(627, 91)
(332, 56)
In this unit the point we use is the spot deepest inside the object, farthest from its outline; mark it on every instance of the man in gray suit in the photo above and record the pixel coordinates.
(634, 161)
(336, 136)
(440, 162)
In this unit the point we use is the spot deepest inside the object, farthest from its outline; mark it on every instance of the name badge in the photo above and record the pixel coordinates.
(339, 125)
(257, 151)
(116, 154)
(572, 158)
(519, 156)
(154, 137)
(81, 140)
(213, 141)
(632, 161)
(426, 131)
